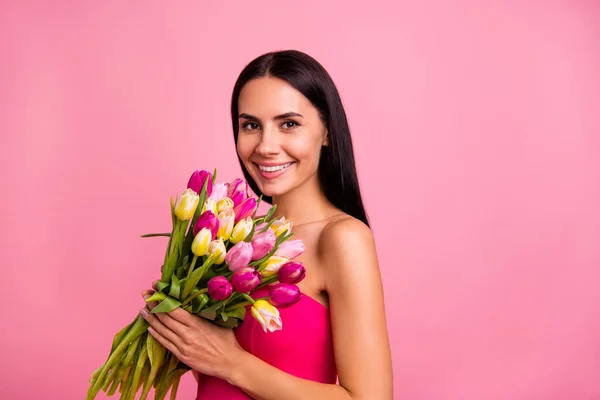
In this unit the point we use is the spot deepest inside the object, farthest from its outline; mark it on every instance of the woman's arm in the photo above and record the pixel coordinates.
(361, 344)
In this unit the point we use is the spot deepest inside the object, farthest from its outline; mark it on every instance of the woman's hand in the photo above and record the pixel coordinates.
(201, 345)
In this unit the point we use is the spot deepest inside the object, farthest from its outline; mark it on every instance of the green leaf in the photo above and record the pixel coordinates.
(199, 302)
(167, 305)
(230, 323)
(212, 311)
(175, 290)
(239, 313)
(162, 286)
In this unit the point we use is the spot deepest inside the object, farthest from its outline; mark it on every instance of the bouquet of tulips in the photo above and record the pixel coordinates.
(218, 252)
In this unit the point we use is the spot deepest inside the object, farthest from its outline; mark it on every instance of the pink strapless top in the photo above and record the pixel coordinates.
(304, 348)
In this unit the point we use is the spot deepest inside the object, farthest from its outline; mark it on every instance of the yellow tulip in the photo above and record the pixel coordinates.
(266, 315)
(217, 248)
(210, 205)
(281, 226)
(272, 265)
(241, 230)
(224, 204)
(226, 220)
(202, 242)
(186, 205)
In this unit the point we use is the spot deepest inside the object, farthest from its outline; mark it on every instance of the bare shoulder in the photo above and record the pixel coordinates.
(345, 243)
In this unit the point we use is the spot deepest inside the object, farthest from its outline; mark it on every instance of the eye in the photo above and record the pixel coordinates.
(290, 124)
(250, 126)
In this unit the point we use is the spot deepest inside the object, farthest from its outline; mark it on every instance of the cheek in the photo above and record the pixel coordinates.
(244, 148)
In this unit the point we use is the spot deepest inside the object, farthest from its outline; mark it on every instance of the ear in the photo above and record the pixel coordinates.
(326, 139)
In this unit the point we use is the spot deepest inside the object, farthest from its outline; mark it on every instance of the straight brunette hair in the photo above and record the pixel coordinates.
(337, 169)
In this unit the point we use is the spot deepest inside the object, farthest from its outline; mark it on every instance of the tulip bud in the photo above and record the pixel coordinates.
(238, 185)
(219, 192)
(186, 205)
(241, 230)
(263, 243)
(245, 209)
(224, 204)
(266, 315)
(226, 219)
(210, 205)
(245, 279)
(290, 249)
(283, 295)
(217, 248)
(219, 288)
(291, 272)
(238, 198)
(281, 226)
(272, 265)
(201, 242)
(239, 256)
(207, 220)
(196, 182)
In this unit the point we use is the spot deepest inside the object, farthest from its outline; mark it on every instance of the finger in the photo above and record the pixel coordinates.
(159, 327)
(145, 295)
(183, 317)
(167, 344)
(154, 285)
(171, 323)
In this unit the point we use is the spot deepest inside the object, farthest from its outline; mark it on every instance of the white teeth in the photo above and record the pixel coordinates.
(274, 168)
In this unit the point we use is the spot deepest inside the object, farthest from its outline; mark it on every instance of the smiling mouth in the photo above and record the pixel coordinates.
(274, 168)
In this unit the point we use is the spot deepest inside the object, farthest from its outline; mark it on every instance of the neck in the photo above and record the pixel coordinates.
(306, 203)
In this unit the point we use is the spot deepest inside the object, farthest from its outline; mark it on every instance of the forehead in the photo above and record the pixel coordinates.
(268, 96)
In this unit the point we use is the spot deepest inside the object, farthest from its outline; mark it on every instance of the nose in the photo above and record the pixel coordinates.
(269, 143)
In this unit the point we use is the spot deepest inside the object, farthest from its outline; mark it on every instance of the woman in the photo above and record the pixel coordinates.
(294, 146)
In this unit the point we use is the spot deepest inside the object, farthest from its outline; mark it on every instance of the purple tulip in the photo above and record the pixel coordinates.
(196, 182)
(245, 209)
(283, 295)
(238, 197)
(292, 272)
(245, 279)
(237, 185)
(290, 249)
(239, 256)
(219, 288)
(207, 220)
(263, 243)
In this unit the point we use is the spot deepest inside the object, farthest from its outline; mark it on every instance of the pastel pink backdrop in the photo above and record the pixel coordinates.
(477, 139)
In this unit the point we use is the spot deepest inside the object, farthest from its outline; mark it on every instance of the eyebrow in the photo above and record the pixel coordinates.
(281, 116)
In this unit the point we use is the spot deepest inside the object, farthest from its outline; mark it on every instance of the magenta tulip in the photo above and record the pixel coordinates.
(238, 185)
(238, 198)
(219, 288)
(290, 248)
(283, 295)
(239, 256)
(263, 243)
(245, 209)
(292, 272)
(207, 220)
(196, 182)
(245, 279)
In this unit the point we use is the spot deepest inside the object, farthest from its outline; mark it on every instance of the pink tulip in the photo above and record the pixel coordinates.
(238, 197)
(207, 220)
(245, 279)
(238, 185)
(292, 272)
(283, 295)
(219, 192)
(196, 182)
(263, 243)
(239, 256)
(245, 209)
(290, 248)
(219, 288)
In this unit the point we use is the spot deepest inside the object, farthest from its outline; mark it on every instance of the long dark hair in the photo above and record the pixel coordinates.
(337, 169)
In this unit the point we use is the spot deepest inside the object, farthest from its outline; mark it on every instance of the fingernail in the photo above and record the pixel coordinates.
(146, 296)
(144, 312)
(151, 330)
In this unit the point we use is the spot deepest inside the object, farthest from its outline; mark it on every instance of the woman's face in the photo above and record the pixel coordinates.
(280, 135)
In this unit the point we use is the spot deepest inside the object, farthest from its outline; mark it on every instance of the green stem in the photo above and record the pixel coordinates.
(156, 234)
(193, 296)
(247, 297)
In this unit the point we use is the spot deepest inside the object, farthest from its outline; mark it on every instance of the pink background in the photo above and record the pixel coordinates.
(477, 139)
